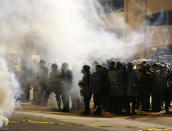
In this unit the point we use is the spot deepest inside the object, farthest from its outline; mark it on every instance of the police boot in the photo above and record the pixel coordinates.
(133, 111)
(119, 112)
(128, 108)
(59, 109)
(85, 112)
(98, 111)
(166, 109)
(65, 110)
(128, 111)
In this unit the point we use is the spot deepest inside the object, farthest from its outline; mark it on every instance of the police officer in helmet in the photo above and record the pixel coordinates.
(85, 89)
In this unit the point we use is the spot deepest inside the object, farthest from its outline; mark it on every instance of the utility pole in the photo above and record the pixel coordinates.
(146, 6)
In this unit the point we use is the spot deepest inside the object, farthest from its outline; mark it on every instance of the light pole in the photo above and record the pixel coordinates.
(146, 5)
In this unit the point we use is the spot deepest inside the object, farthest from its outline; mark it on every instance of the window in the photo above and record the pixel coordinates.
(112, 5)
(170, 18)
(118, 5)
(106, 5)
(158, 52)
(157, 19)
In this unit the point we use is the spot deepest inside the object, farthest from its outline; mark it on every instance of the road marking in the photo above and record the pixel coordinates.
(71, 124)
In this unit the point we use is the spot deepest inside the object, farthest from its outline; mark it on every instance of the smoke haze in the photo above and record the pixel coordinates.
(9, 91)
(60, 31)
(63, 30)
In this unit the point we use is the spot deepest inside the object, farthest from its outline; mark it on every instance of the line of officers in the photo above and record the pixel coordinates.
(44, 83)
(114, 86)
(117, 87)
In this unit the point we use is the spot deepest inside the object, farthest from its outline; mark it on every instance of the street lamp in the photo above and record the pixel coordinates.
(146, 2)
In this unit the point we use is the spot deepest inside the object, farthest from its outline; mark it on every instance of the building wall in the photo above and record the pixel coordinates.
(136, 12)
(155, 6)
(135, 15)
(113, 20)
(135, 18)
(158, 36)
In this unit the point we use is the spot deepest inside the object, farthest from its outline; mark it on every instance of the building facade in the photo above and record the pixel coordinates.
(153, 18)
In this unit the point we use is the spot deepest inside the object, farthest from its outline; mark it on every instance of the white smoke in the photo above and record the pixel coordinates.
(9, 91)
(61, 31)
(67, 30)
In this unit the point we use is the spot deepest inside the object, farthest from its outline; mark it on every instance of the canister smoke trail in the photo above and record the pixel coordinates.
(9, 91)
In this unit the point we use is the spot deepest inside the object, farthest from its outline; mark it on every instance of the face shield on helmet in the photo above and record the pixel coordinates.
(98, 68)
(85, 68)
(64, 66)
(54, 67)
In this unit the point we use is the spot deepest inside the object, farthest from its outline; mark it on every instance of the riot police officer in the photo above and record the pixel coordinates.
(145, 79)
(25, 80)
(43, 80)
(166, 95)
(117, 87)
(106, 89)
(67, 78)
(93, 69)
(132, 90)
(85, 88)
(111, 67)
(97, 86)
(159, 84)
(167, 92)
(55, 84)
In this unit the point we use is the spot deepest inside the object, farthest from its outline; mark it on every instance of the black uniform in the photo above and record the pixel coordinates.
(43, 83)
(106, 90)
(55, 84)
(97, 86)
(159, 84)
(111, 67)
(25, 79)
(132, 90)
(167, 92)
(117, 87)
(85, 90)
(67, 78)
(124, 98)
(145, 76)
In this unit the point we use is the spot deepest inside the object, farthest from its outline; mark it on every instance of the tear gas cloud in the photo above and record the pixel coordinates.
(9, 91)
(64, 30)
(61, 31)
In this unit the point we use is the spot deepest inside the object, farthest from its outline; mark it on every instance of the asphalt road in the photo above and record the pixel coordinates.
(42, 127)
(75, 122)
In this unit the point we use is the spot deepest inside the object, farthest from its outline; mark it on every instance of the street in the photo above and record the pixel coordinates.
(41, 127)
(39, 118)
